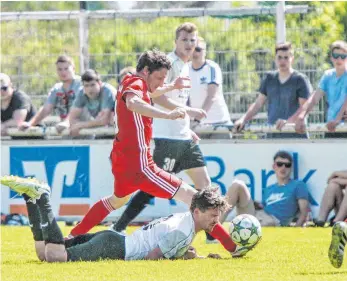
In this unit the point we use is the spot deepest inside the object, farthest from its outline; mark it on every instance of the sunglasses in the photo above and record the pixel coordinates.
(4, 88)
(281, 164)
(198, 49)
(336, 56)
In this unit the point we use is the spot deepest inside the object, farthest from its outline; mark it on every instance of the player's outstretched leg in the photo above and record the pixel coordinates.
(139, 201)
(39, 193)
(30, 186)
(338, 243)
(34, 217)
(97, 213)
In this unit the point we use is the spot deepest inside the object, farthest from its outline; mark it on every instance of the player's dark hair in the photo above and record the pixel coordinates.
(208, 198)
(154, 60)
(286, 46)
(90, 75)
(65, 58)
(283, 154)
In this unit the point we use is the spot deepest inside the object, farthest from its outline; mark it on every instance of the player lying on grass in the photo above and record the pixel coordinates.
(168, 237)
(132, 162)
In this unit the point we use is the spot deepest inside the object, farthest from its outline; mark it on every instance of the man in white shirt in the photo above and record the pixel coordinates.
(176, 148)
(168, 237)
(207, 91)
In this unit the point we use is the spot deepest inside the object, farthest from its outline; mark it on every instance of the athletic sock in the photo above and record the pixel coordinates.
(95, 215)
(34, 218)
(223, 237)
(135, 207)
(50, 229)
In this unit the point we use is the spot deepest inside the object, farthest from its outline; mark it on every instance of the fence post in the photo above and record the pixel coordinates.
(280, 22)
(83, 40)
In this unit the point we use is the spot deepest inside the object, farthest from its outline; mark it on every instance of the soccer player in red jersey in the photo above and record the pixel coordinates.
(132, 163)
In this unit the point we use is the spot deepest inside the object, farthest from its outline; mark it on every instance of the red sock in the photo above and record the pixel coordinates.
(223, 236)
(345, 220)
(95, 215)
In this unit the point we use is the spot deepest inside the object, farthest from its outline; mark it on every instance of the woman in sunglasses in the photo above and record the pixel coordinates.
(281, 203)
(16, 106)
(333, 85)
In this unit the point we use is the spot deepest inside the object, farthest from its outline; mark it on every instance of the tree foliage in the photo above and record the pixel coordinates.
(243, 46)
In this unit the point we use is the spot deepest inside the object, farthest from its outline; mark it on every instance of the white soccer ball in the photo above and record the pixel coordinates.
(245, 230)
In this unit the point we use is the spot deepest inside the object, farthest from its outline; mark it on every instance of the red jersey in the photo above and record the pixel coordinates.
(132, 142)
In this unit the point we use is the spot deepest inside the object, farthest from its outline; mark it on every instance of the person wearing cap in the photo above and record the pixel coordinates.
(16, 106)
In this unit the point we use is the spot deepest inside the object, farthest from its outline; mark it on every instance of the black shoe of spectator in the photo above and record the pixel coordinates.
(318, 223)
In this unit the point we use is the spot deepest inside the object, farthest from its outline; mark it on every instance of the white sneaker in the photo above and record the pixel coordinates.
(338, 243)
(29, 186)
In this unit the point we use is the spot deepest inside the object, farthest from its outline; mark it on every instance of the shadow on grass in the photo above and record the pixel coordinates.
(323, 273)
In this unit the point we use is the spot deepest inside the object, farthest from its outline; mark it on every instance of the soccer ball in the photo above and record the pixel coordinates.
(245, 230)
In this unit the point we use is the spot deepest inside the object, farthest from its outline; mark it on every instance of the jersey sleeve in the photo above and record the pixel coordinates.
(52, 96)
(263, 85)
(323, 83)
(136, 88)
(304, 87)
(174, 244)
(301, 191)
(215, 75)
(108, 98)
(21, 102)
(80, 100)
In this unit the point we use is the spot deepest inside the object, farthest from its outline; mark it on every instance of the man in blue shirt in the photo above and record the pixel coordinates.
(333, 85)
(284, 91)
(282, 202)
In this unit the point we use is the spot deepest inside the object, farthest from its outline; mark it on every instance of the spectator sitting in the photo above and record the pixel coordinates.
(61, 96)
(333, 85)
(207, 90)
(97, 98)
(282, 201)
(16, 106)
(334, 198)
(284, 90)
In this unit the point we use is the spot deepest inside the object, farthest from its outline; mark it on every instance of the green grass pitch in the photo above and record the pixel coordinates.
(283, 254)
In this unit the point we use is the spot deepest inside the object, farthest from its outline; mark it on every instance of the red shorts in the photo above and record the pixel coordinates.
(152, 180)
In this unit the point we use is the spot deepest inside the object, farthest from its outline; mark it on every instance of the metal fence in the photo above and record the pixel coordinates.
(240, 40)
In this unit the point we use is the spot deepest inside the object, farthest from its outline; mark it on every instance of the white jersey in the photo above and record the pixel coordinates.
(178, 129)
(209, 73)
(172, 234)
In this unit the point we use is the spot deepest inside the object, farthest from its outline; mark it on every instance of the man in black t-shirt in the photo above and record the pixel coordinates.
(16, 106)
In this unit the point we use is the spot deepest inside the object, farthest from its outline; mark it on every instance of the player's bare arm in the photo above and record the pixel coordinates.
(178, 84)
(170, 104)
(43, 112)
(252, 110)
(155, 254)
(136, 104)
